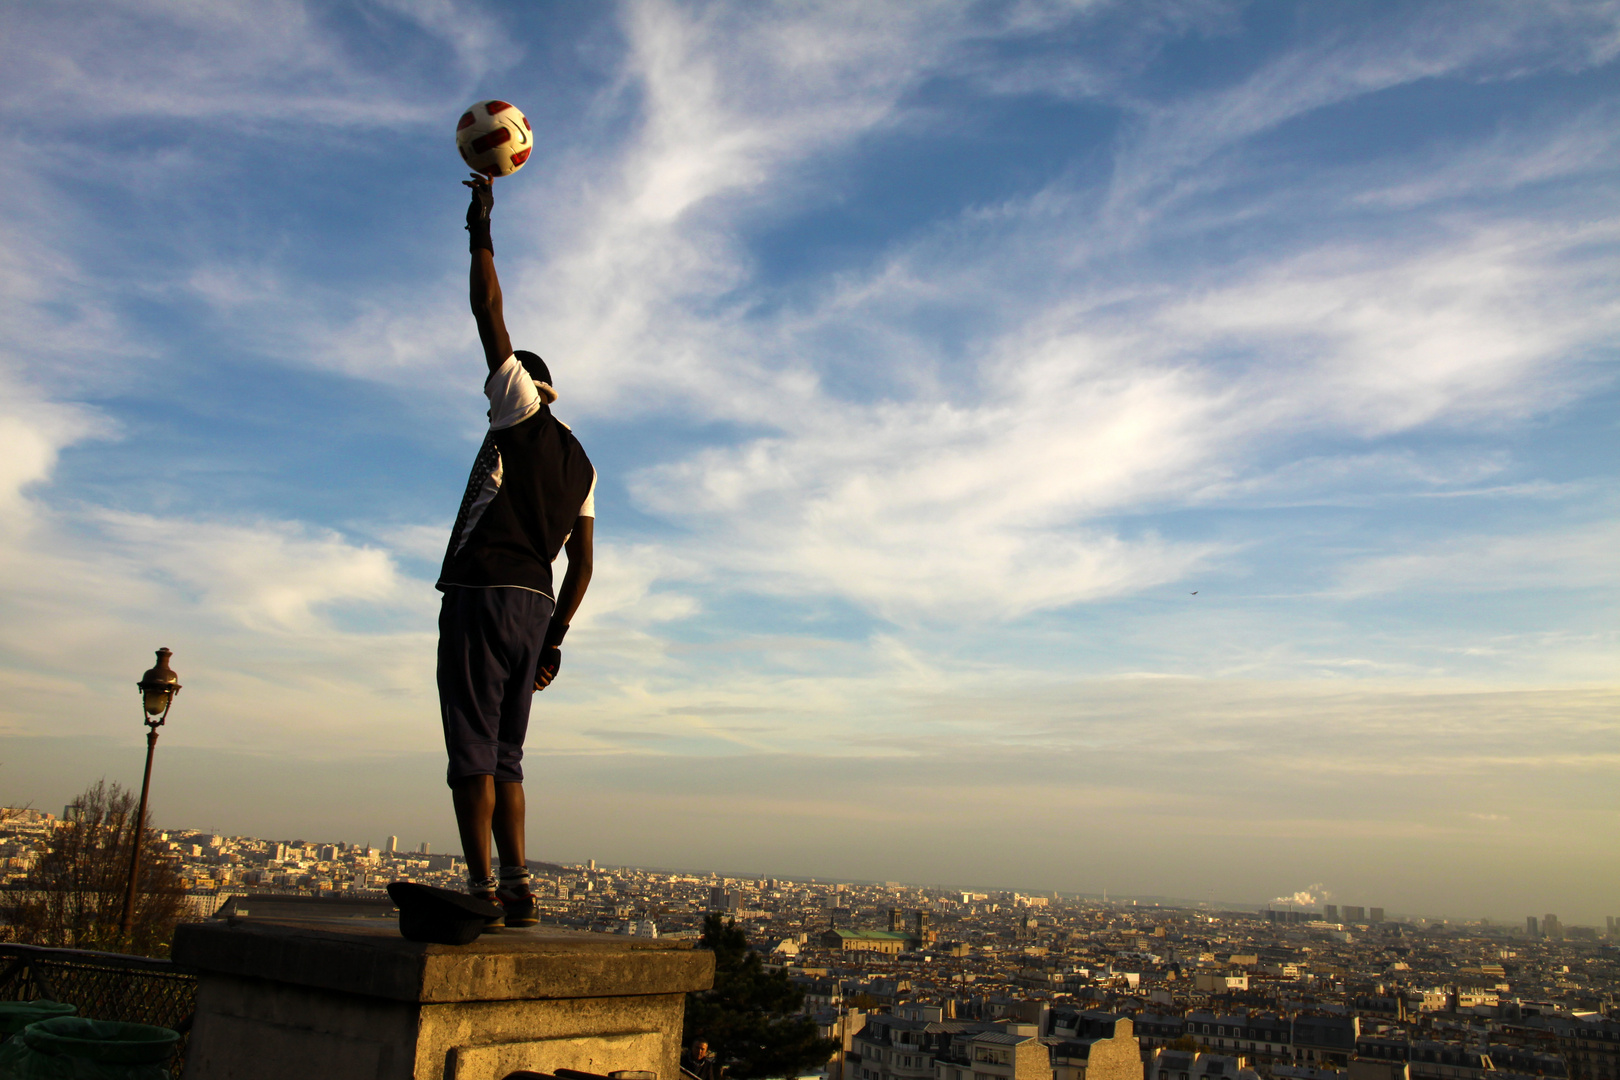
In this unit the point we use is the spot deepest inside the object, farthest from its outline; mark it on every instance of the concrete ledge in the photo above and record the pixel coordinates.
(370, 958)
(353, 998)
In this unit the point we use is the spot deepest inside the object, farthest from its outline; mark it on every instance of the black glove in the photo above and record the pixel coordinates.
(550, 655)
(483, 201)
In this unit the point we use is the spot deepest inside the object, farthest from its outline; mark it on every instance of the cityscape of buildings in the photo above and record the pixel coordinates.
(933, 984)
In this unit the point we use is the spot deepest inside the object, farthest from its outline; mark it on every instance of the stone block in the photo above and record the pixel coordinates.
(352, 998)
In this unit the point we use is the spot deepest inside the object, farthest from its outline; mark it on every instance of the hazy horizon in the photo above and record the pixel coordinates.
(1165, 447)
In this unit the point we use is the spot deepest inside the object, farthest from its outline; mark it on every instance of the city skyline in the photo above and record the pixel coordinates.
(1162, 447)
(918, 983)
(1318, 901)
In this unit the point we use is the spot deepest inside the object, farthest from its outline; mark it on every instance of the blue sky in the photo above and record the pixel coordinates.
(1168, 448)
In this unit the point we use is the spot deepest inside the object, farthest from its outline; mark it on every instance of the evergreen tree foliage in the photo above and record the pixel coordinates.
(73, 896)
(746, 1017)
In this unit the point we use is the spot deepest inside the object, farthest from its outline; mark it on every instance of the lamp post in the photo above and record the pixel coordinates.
(158, 687)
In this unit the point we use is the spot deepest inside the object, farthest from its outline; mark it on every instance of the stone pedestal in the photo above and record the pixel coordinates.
(353, 999)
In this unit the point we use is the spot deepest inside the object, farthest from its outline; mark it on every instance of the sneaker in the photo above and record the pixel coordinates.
(485, 891)
(516, 897)
(519, 905)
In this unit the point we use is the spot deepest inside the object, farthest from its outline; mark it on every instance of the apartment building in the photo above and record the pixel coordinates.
(916, 1042)
(887, 942)
(1013, 1054)
(1105, 1048)
(1193, 1065)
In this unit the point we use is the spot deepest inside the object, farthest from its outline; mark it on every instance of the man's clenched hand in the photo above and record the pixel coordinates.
(483, 201)
(550, 655)
(550, 662)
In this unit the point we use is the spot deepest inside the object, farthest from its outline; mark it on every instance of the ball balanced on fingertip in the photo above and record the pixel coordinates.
(494, 138)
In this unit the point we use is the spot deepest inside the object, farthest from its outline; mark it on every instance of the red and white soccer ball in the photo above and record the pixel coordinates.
(494, 138)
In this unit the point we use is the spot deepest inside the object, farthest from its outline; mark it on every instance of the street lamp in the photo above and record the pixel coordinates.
(158, 687)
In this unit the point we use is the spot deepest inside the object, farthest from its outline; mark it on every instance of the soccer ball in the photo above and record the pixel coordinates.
(494, 138)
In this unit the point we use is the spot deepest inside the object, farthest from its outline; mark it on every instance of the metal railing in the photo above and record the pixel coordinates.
(104, 986)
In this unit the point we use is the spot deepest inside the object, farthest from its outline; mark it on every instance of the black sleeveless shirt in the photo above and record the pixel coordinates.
(545, 477)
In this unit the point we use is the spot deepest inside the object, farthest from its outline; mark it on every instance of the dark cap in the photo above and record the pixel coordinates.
(440, 916)
(538, 371)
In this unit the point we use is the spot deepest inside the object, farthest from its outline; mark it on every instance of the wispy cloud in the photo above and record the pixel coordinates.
(239, 65)
(1516, 157)
(1177, 153)
(1579, 557)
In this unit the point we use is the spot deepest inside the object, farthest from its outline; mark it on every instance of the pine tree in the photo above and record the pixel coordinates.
(747, 1017)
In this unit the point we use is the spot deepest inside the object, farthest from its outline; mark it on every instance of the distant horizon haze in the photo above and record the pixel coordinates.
(237, 794)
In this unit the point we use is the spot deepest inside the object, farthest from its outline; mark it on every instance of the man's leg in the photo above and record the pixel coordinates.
(530, 613)
(473, 675)
(507, 806)
(513, 891)
(475, 801)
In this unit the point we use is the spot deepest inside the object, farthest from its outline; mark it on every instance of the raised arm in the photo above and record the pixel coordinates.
(579, 546)
(484, 286)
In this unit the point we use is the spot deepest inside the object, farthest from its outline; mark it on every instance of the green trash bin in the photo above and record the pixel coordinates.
(72, 1048)
(16, 1015)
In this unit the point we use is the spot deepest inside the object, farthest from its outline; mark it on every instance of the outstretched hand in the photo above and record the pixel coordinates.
(483, 201)
(483, 197)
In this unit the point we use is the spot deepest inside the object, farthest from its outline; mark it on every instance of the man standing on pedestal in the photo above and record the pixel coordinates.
(532, 493)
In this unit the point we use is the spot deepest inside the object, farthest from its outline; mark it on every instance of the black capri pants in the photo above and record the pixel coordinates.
(489, 646)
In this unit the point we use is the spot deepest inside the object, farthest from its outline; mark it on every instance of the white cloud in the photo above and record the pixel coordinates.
(232, 63)
(1515, 157)
(422, 542)
(1098, 395)
(268, 577)
(32, 434)
(1177, 152)
(1578, 558)
(932, 508)
(1492, 322)
(737, 107)
(622, 587)
(943, 502)
(288, 631)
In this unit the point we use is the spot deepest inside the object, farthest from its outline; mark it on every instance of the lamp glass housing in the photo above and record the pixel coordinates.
(159, 685)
